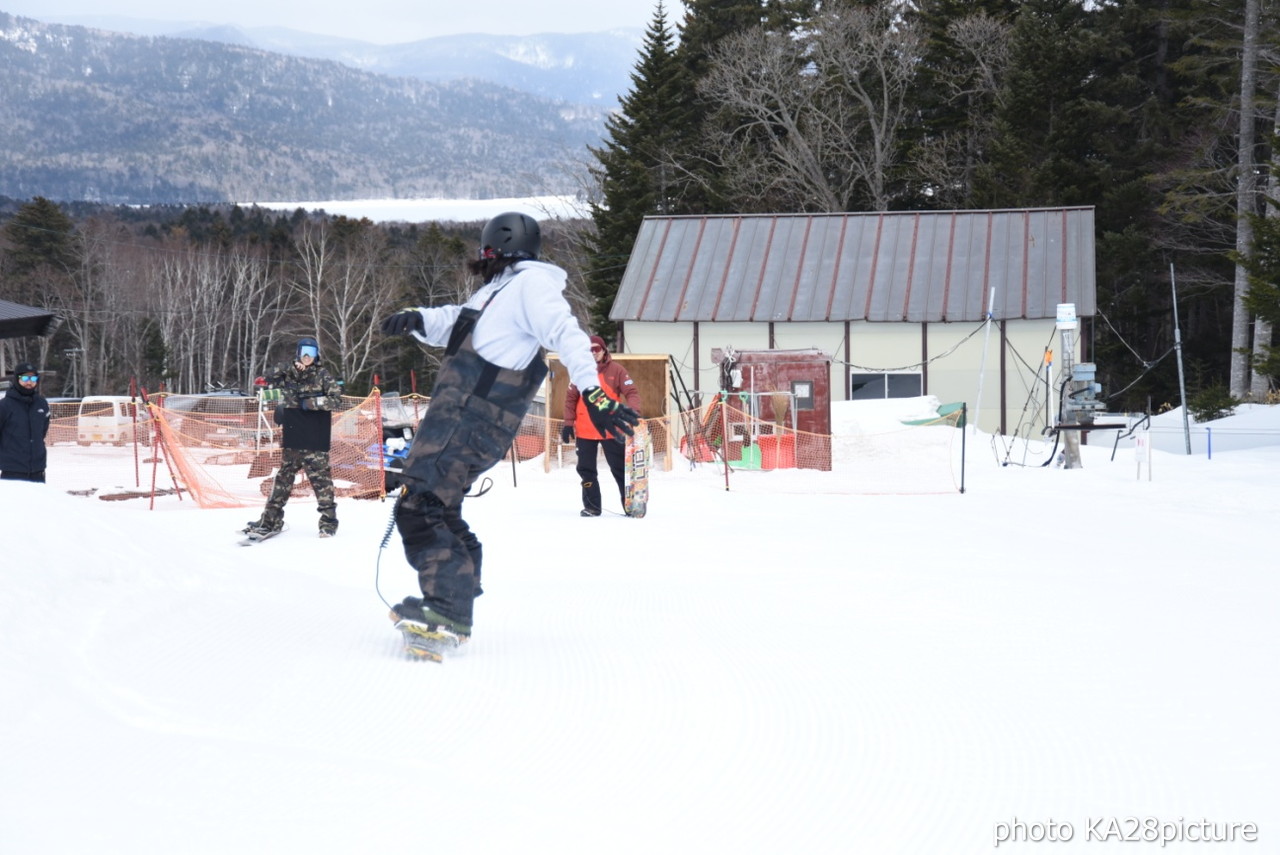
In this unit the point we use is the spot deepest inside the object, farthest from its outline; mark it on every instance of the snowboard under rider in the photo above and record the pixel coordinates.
(493, 366)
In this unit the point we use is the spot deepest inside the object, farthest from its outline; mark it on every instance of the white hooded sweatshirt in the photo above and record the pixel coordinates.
(528, 311)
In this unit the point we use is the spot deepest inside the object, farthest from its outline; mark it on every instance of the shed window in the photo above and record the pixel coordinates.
(802, 392)
(875, 387)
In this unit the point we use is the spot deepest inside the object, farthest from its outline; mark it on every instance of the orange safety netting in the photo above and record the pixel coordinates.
(916, 457)
(224, 450)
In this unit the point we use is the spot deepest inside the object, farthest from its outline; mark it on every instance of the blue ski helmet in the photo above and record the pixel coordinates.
(308, 347)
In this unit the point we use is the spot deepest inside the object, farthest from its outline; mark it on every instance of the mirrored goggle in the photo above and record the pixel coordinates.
(308, 350)
(28, 378)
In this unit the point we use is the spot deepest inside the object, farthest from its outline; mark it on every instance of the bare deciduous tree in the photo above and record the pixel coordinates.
(258, 308)
(190, 288)
(945, 162)
(91, 303)
(347, 285)
(814, 119)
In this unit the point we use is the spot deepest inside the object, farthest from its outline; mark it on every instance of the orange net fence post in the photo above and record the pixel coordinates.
(193, 475)
(355, 455)
(63, 416)
(226, 450)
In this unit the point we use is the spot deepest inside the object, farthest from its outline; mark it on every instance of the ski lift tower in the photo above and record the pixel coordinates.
(1079, 399)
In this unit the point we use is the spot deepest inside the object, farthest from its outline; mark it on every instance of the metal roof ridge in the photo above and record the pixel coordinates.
(951, 212)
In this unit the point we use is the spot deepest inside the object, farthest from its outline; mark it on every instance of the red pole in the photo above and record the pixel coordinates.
(724, 441)
(157, 445)
(413, 390)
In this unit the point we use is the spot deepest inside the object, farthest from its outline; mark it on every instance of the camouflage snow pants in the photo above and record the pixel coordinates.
(475, 412)
(316, 465)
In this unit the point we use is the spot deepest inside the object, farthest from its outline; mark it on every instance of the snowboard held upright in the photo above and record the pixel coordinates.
(639, 453)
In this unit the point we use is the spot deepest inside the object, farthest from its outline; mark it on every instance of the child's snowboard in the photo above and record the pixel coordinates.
(638, 454)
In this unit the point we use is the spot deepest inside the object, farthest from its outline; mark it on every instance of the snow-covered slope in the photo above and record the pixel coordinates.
(737, 672)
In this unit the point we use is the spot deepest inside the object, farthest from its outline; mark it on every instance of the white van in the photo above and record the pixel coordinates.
(112, 419)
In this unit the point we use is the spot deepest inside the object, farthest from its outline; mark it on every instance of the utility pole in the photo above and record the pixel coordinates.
(1177, 344)
(71, 386)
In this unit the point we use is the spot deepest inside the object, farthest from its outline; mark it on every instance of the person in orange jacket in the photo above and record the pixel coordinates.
(618, 385)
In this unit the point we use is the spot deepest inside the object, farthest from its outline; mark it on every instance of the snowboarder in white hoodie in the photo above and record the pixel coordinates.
(492, 368)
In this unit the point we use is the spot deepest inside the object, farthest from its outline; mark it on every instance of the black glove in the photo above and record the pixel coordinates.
(404, 322)
(610, 418)
(566, 434)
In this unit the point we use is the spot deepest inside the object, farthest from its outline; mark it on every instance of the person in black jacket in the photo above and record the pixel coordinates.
(308, 394)
(24, 422)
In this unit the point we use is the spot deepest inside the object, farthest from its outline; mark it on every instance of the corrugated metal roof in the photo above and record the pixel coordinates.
(17, 320)
(913, 266)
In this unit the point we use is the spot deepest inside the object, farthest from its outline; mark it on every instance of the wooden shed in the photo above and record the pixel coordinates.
(652, 375)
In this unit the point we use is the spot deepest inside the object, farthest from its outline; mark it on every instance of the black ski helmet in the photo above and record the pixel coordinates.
(307, 342)
(511, 235)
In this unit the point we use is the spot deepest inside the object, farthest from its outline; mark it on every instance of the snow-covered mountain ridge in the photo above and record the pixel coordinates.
(592, 68)
(135, 119)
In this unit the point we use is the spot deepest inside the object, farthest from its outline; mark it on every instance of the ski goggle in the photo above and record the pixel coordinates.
(490, 252)
(28, 378)
(308, 350)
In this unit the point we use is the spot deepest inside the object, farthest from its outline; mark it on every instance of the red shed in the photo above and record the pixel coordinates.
(789, 392)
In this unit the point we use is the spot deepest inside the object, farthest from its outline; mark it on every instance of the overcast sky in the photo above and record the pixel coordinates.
(377, 21)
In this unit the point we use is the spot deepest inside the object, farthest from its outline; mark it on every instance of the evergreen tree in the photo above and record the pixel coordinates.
(1087, 117)
(634, 167)
(1263, 299)
(40, 259)
(1194, 217)
(1137, 43)
(706, 24)
(957, 88)
(1043, 151)
(39, 235)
